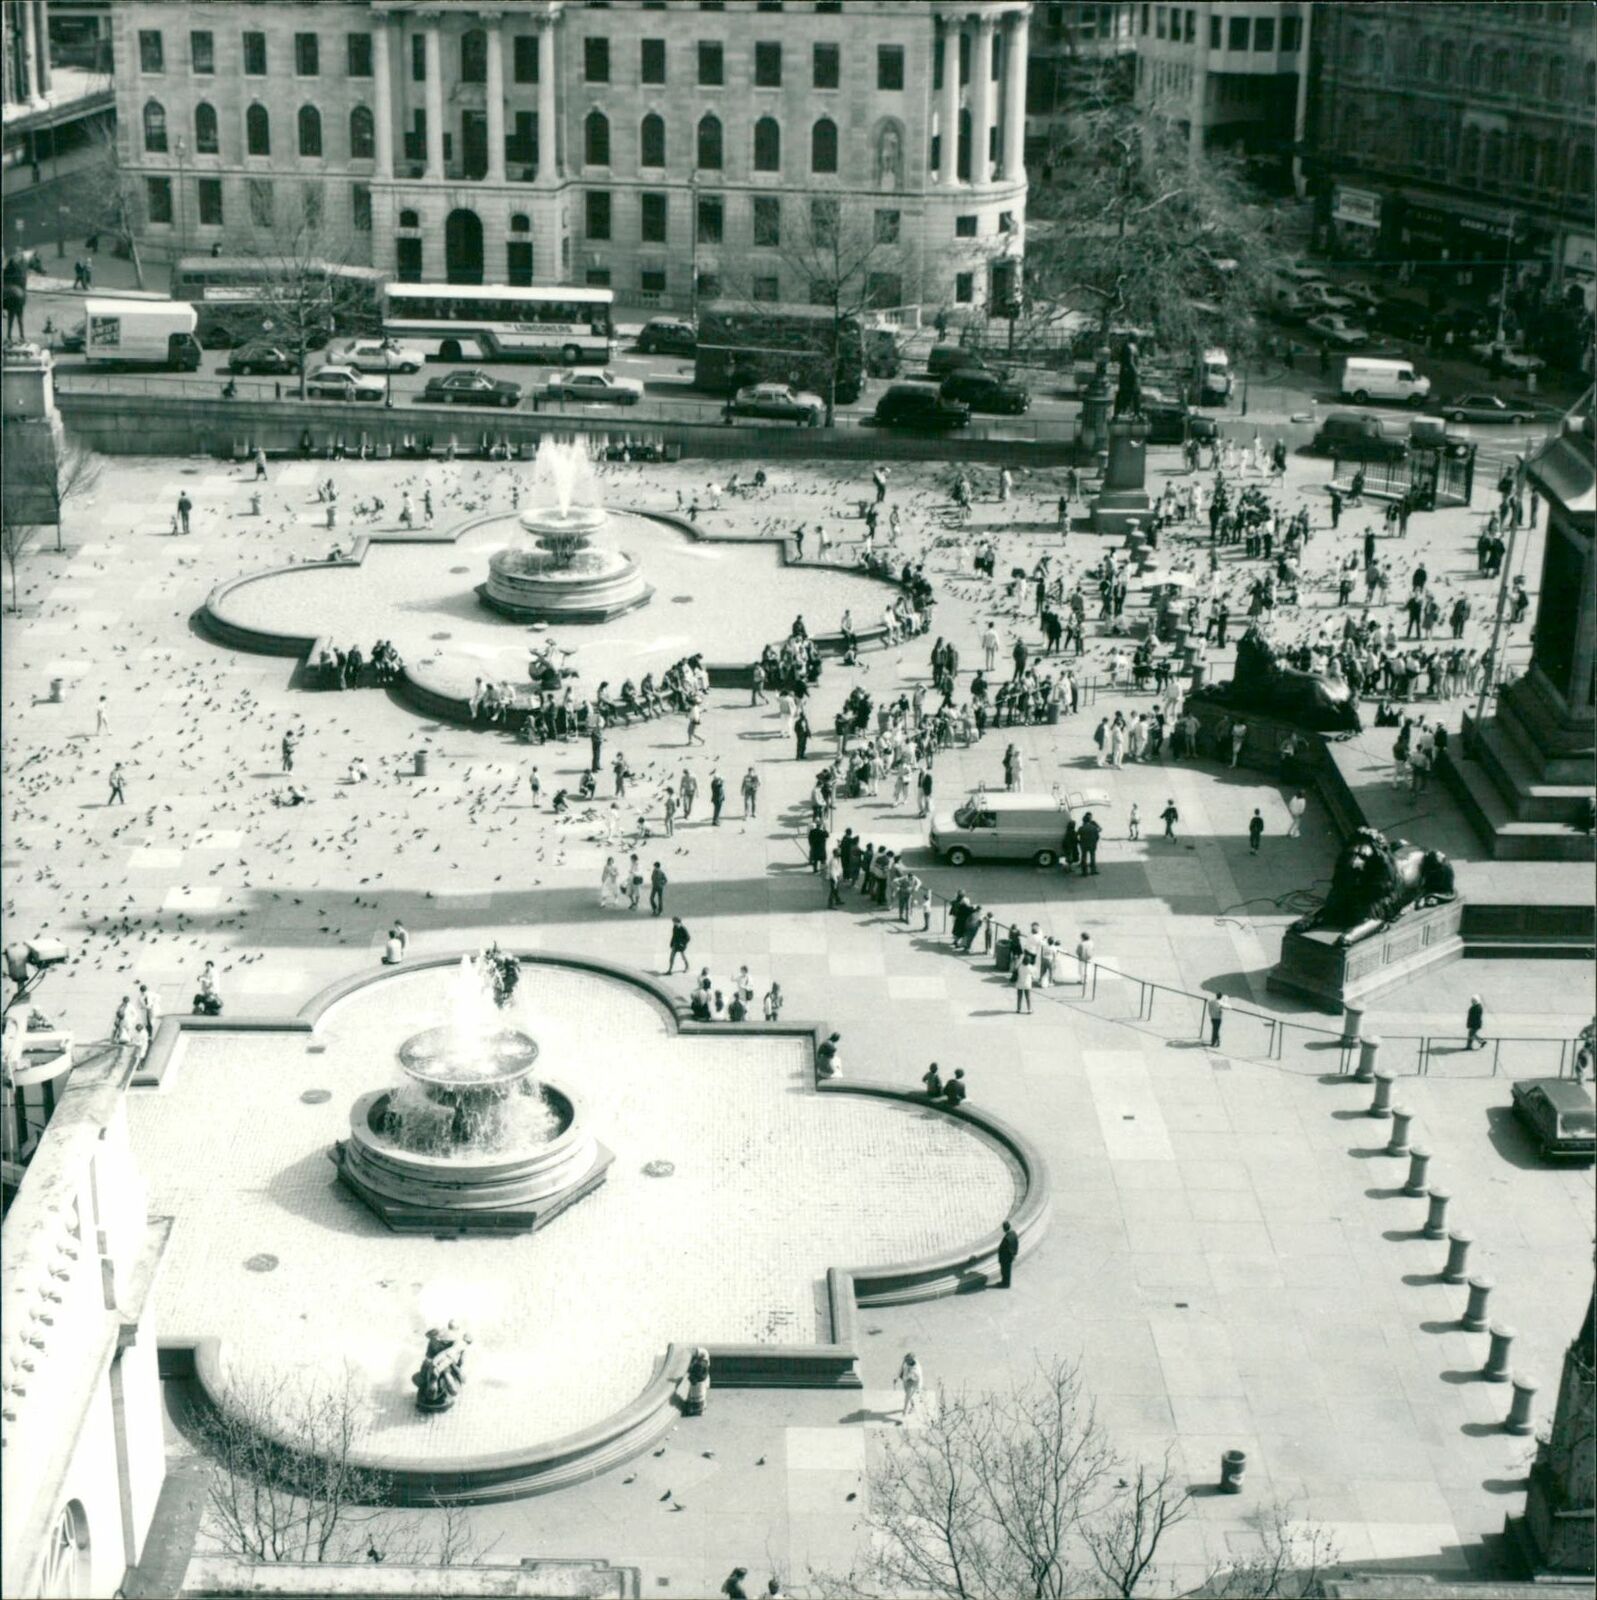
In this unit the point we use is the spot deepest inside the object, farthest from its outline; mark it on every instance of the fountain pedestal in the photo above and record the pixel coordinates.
(566, 578)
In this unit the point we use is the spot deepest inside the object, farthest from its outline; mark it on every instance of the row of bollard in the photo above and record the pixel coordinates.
(1520, 1418)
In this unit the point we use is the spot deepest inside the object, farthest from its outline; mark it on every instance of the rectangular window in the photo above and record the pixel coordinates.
(1214, 32)
(710, 285)
(827, 70)
(1291, 33)
(767, 221)
(202, 53)
(158, 199)
(152, 57)
(210, 192)
(418, 58)
(1145, 22)
(596, 60)
(711, 67)
(767, 66)
(521, 143)
(884, 289)
(1158, 22)
(766, 290)
(518, 263)
(598, 217)
(823, 220)
(1191, 32)
(597, 278)
(1237, 37)
(307, 55)
(254, 55)
(965, 227)
(358, 54)
(887, 224)
(651, 61)
(360, 207)
(965, 287)
(310, 202)
(1264, 33)
(889, 66)
(711, 220)
(260, 193)
(1006, 221)
(524, 58)
(653, 218)
(651, 280)
(416, 136)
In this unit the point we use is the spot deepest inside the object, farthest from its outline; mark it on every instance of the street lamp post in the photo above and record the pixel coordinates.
(693, 234)
(182, 150)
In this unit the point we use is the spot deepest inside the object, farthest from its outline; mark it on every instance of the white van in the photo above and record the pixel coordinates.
(1366, 378)
(1009, 826)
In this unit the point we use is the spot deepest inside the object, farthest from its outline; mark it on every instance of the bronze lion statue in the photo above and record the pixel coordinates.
(1263, 684)
(1374, 882)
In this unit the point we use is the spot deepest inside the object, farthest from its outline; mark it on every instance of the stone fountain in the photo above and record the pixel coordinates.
(564, 576)
(470, 1141)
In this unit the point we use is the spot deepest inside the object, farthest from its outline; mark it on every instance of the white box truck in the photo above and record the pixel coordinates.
(149, 332)
(1211, 377)
(1366, 378)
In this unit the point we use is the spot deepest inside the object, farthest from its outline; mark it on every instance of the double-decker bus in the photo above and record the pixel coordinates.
(501, 322)
(238, 299)
(741, 344)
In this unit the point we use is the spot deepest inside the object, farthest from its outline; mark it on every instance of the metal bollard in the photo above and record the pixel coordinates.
(1402, 1120)
(1519, 1419)
(1419, 1165)
(1352, 1023)
(1369, 1058)
(1436, 1217)
(1474, 1318)
(1458, 1243)
(1381, 1101)
(1496, 1368)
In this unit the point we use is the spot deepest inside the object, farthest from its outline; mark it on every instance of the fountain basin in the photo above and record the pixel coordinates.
(468, 1191)
(595, 585)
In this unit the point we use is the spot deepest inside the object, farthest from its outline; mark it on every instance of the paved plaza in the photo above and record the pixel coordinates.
(1230, 1254)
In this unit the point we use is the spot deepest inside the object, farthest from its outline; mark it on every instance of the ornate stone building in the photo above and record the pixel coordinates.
(1459, 136)
(632, 144)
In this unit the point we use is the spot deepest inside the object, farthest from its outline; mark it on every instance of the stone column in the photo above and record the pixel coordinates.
(383, 91)
(981, 101)
(22, 36)
(435, 97)
(1013, 167)
(41, 38)
(491, 21)
(548, 162)
(948, 116)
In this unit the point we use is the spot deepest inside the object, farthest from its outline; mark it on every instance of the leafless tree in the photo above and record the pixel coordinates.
(15, 537)
(1124, 1538)
(72, 470)
(110, 197)
(1291, 1557)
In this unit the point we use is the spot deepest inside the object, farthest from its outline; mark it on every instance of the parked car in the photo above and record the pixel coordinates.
(1483, 408)
(1323, 297)
(344, 383)
(1507, 360)
(270, 358)
(1558, 1114)
(378, 355)
(943, 359)
(1358, 436)
(920, 405)
(604, 387)
(1403, 319)
(1335, 329)
(471, 387)
(779, 402)
(1435, 433)
(1364, 295)
(666, 336)
(986, 391)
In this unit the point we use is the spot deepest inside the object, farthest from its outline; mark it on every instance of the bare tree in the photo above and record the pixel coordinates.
(15, 537)
(1291, 1558)
(73, 469)
(110, 197)
(1124, 1539)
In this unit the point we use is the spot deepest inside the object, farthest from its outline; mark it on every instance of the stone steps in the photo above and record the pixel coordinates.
(1509, 838)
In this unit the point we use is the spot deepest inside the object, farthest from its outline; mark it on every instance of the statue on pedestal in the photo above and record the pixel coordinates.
(442, 1374)
(1128, 394)
(1374, 882)
(1264, 684)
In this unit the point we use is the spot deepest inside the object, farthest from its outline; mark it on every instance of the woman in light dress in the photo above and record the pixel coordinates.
(609, 885)
(910, 1377)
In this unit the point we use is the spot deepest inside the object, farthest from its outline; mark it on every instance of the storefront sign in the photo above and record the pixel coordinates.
(1359, 206)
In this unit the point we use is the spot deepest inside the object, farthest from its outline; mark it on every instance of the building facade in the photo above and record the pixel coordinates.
(1083, 55)
(1459, 138)
(1231, 70)
(663, 150)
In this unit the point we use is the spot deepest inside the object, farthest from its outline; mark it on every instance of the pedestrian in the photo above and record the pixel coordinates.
(184, 507)
(733, 1587)
(698, 1394)
(1216, 1010)
(774, 1000)
(956, 1090)
(596, 746)
(670, 808)
(1087, 836)
(680, 940)
(117, 797)
(909, 1379)
(1134, 823)
(933, 1080)
(1239, 737)
(1255, 831)
(657, 883)
(1170, 817)
(260, 463)
(1025, 977)
(695, 718)
(290, 744)
(1296, 806)
(1008, 1249)
(1474, 1021)
(1084, 957)
(829, 1057)
(751, 793)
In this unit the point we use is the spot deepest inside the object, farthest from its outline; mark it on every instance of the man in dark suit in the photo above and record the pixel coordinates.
(1008, 1249)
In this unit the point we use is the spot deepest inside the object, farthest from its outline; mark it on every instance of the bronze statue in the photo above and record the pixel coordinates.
(1128, 393)
(442, 1372)
(1265, 685)
(1374, 882)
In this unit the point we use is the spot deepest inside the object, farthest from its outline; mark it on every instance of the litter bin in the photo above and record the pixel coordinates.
(421, 763)
(1053, 713)
(1233, 1464)
(57, 689)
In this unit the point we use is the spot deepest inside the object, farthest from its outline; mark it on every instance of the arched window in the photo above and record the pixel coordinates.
(651, 141)
(362, 134)
(1492, 164)
(1502, 67)
(1471, 162)
(1447, 62)
(823, 146)
(1355, 53)
(1424, 59)
(709, 152)
(155, 127)
(1525, 166)
(474, 56)
(520, 223)
(1548, 165)
(767, 145)
(1377, 56)
(596, 140)
(207, 139)
(1555, 78)
(258, 130)
(310, 131)
(1477, 67)
(410, 219)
